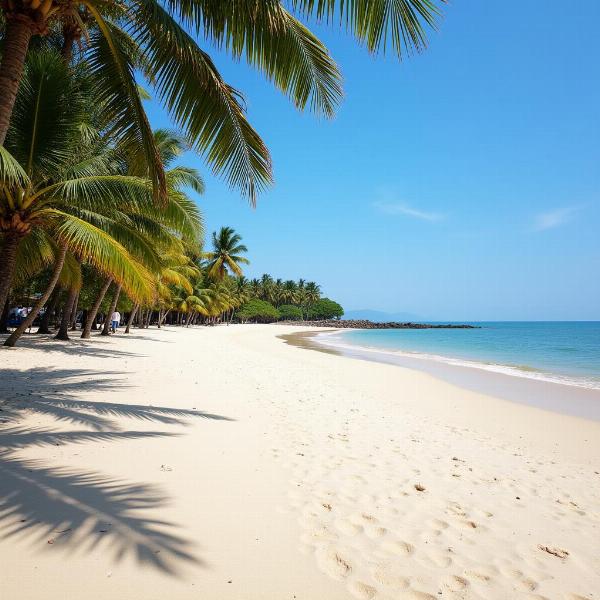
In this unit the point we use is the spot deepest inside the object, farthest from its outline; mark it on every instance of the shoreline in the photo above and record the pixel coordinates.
(222, 463)
(560, 397)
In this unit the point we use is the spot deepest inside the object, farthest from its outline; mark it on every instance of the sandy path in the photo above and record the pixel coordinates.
(229, 465)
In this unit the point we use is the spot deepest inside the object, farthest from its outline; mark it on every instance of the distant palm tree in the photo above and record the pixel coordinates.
(289, 292)
(242, 289)
(266, 284)
(255, 288)
(276, 292)
(312, 293)
(226, 255)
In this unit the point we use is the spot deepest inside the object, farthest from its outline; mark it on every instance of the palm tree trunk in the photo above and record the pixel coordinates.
(111, 310)
(18, 32)
(164, 317)
(8, 262)
(131, 317)
(58, 265)
(63, 331)
(73, 322)
(70, 35)
(91, 318)
(45, 320)
(4, 317)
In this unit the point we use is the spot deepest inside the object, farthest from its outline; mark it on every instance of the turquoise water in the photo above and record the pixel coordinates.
(568, 352)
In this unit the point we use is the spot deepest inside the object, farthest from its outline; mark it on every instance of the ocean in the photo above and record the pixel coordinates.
(563, 352)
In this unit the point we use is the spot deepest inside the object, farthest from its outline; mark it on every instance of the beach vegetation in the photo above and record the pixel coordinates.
(258, 311)
(289, 312)
(324, 309)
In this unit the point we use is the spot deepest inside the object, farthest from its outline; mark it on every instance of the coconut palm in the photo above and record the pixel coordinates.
(289, 292)
(242, 289)
(226, 254)
(255, 288)
(312, 293)
(117, 38)
(52, 197)
(266, 287)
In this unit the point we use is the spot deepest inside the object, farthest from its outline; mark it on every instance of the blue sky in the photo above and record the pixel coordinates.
(463, 184)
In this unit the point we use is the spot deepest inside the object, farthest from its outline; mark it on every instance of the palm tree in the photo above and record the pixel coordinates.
(242, 289)
(254, 287)
(226, 255)
(71, 273)
(266, 287)
(117, 38)
(312, 293)
(289, 293)
(276, 295)
(50, 199)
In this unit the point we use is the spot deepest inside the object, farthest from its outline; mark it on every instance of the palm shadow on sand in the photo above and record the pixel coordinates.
(76, 510)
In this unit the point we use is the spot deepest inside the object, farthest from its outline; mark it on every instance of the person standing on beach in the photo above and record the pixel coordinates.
(115, 321)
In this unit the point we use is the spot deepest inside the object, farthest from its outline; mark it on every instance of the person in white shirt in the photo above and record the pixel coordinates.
(115, 321)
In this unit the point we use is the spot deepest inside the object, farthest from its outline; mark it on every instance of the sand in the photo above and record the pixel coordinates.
(222, 463)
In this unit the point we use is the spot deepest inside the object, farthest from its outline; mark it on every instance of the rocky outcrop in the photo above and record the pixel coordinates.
(365, 324)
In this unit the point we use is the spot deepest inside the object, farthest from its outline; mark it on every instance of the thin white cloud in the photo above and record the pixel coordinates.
(554, 218)
(400, 208)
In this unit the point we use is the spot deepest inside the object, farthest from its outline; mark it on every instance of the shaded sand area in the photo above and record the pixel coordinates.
(222, 463)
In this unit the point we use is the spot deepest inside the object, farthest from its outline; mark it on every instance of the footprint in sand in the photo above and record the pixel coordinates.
(347, 527)
(436, 558)
(480, 575)
(454, 583)
(527, 584)
(363, 519)
(437, 524)
(375, 532)
(387, 575)
(362, 590)
(319, 535)
(333, 563)
(398, 547)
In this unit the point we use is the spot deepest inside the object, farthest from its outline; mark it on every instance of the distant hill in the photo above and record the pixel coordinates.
(379, 316)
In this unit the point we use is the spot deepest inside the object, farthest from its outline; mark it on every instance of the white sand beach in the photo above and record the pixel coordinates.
(232, 465)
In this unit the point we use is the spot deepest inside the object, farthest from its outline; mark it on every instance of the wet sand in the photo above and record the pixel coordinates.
(562, 398)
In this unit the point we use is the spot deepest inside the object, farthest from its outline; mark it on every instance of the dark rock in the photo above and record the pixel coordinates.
(365, 324)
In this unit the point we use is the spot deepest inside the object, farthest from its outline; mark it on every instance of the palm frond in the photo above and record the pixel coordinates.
(207, 110)
(12, 174)
(105, 253)
(185, 177)
(274, 41)
(70, 275)
(184, 216)
(119, 191)
(379, 23)
(116, 90)
(36, 252)
(47, 115)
